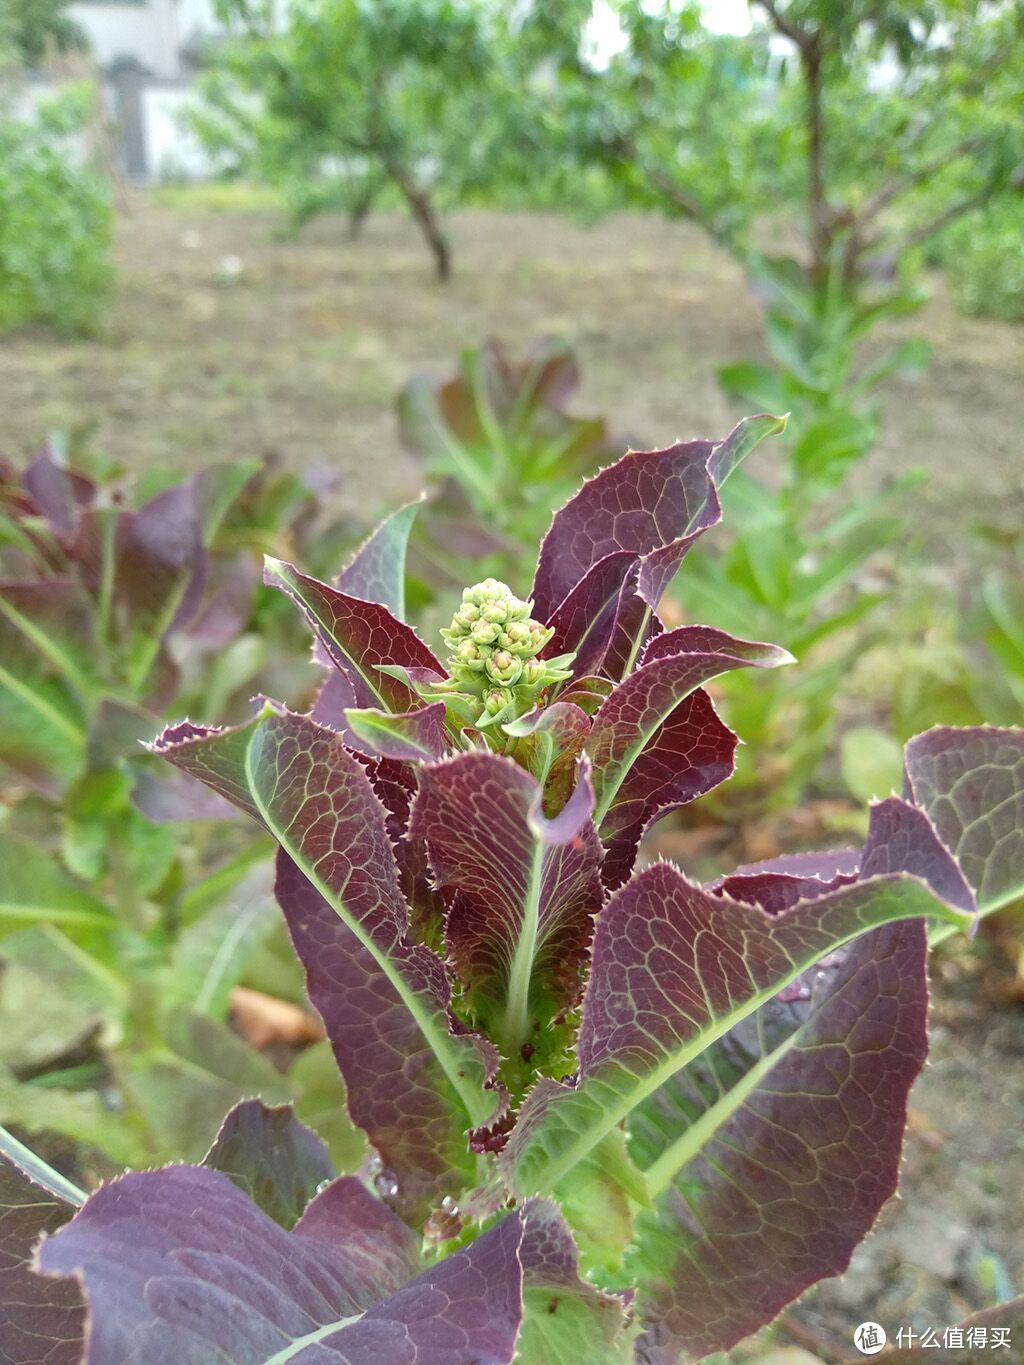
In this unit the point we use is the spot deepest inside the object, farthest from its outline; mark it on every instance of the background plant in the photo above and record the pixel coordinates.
(498, 439)
(985, 263)
(349, 100)
(130, 906)
(31, 27)
(867, 132)
(55, 221)
(596, 1075)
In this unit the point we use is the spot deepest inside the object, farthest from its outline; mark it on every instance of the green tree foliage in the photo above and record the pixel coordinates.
(55, 223)
(352, 97)
(855, 134)
(29, 27)
(871, 113)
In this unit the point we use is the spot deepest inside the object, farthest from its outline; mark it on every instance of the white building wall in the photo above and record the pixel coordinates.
(172, 152)
(146, 32)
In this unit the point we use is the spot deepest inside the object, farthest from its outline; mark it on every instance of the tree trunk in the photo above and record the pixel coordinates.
(817, 202)
(358, 214)
(422, 211)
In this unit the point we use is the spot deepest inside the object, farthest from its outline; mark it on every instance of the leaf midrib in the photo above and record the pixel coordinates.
(645, 1086)
(621, 767)
(298, 1344)
(476, 1107)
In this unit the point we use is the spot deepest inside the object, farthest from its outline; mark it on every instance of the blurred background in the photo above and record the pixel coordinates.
(269, 268)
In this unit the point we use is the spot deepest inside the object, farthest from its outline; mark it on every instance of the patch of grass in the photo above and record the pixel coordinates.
(219, 196)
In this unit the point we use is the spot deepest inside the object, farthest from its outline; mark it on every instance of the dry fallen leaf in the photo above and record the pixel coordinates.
(264, 1020)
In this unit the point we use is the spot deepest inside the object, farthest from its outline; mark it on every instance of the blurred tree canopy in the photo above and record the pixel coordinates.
(353, 96)
(878, 123)
(29, 27)
(881, 121)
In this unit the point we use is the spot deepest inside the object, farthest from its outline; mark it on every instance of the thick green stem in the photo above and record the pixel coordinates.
(516, 1025)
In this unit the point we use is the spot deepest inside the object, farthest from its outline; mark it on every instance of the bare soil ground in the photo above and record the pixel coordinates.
(303, 352)
(298, 349)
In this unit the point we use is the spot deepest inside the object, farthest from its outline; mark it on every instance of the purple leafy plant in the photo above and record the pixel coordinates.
(615, 1114)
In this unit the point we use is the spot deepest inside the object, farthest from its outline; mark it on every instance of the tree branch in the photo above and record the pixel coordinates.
(899, 185)
(917, 236)
(785, 25)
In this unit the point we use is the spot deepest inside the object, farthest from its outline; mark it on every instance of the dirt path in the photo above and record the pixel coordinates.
(303, 352)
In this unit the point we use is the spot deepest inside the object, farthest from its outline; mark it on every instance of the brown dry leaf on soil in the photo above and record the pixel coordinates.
(264, 1020)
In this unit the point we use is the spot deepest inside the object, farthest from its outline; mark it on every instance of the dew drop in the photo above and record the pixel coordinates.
(387, 1186)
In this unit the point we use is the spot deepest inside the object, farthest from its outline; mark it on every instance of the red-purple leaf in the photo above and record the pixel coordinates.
(654, 749)
(376, 572)
(603, 620)
(396, 1091)
(823, 866)
(345, 1214)
(970, 783)
(41, 1320)
(58, 493)
(901, 838)
(335, 697)
(180, 1268)
(654, 504)
(409, 736)
(272, 1157)
(764, 1141)
(165, 796)
(566, 1321)
(227, 603)
(630, 717)
(522, 890)
(690, 754)
(793, 1125)
(357, 636)
(396, 784)
(414, 1086)
(160, 564)
(674, 967)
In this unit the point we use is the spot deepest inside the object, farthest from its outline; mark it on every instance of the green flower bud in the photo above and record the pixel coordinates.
(534, 672)
(494, 611)
(516, 633)
(539, 636)
(485, 633)
(467, 615)
(519, 611)
(481, 592)
(503, 667)
(497, 700)
(469, 655)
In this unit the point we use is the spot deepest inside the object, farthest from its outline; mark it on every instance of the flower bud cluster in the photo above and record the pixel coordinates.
(494, 643)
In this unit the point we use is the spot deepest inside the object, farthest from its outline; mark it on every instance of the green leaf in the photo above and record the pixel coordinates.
(871, 761)
(320, 1101)
(82, 1116)
(33, 889)
(567, 1321)
(410, 736)
(376, 572)
(184, 1088)
(211, 954)
(757, 384)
